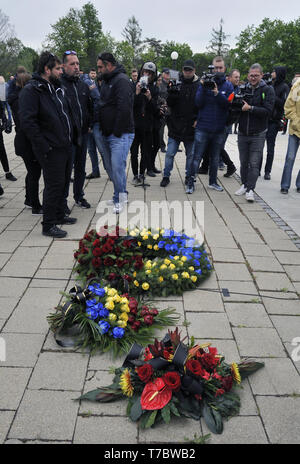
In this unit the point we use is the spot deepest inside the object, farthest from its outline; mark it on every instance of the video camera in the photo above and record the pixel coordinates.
(267, 77)
(243, 95)
(175, 82)
(208, 78)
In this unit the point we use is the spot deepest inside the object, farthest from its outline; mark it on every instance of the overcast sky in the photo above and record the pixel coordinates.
(189, 21)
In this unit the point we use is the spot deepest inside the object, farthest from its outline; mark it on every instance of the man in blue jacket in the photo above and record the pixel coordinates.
(213, 106)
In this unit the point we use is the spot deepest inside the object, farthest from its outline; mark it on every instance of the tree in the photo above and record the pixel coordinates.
(124, 54)
(92, 31)
(132, 34)
(28, 58)
(9, 52)
(217, 44)
(184, 53)
(202, 61)
(6, 30)
(154, 45)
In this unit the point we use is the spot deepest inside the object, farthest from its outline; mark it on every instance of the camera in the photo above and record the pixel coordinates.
(175, 82)
(144, 81)
(208, 78)
(239, 98)
(267, 77)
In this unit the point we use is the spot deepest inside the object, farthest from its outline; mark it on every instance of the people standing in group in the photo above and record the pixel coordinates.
(281, 93)
(81, 106)
(116, 122)
(45, 119)
(292, 113)
(181, 121)
(213, 107)
(146, 112)
(253, 125)
(23, 148)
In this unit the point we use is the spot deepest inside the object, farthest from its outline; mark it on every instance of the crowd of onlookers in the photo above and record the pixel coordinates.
(60, 114)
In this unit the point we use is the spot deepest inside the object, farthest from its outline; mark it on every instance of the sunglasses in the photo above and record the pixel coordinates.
(188, 69)
(70, 52)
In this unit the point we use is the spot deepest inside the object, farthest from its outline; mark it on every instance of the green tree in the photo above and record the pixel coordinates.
(124, 53)
(184, 53)
(202, 61)
(92, 31)
(217, 43)
(9, 52)
(28, 58)
(132, 34)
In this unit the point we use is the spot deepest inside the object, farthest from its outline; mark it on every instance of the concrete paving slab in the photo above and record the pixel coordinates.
(259, 342)
(6, 418)
(247, 315)
(272, 379)
(13, 382)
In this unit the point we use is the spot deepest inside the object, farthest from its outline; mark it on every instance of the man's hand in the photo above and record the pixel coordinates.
(215, 90)
(138, 88)
(246, 106)
(148, 94)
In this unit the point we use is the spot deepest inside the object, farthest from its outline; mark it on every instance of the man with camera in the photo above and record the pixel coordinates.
(146, 111)
(213, 105)
(181, 121)
(257, 106)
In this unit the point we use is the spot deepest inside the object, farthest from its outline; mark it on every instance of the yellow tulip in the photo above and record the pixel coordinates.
(136, 283)
(145, 286)
(174, 276)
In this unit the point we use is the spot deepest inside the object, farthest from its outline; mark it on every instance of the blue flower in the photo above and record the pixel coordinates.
(197, 254)
(196, 262)
(198, 271)
(168, 247)
(104, 327)
(91, 303)
(99, 292)
(161, 244)
(103, 313)
(92, 314)
(118, 332)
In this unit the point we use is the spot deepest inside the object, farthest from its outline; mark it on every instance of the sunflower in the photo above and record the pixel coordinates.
(125, 383)
(236, 373)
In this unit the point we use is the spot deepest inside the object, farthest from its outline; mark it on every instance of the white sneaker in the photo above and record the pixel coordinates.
(241, 191)
(118, 208)
(250, 196)
(111, 202)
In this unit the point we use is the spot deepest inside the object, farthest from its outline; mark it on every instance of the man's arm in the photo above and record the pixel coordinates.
(124, 104)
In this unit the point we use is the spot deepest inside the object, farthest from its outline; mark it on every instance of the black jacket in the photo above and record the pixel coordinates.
(183, 110)
(262, 99)
(44, 115)
(3, 118)
(282, 91)
(146, 111)
(80, 103)
(116, 103)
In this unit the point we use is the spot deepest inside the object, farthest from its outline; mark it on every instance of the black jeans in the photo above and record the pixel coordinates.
(155, 146)
(273, 128)
(251, 151)
(34, 171)
(57, 167)
(3, 155)
(142, 139)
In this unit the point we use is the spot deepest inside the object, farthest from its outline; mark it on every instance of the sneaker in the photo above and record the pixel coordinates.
(68, 220)
(112, 203)
(10, 176)
(118, 208)
(165, 182)
(93, 175)
(202, 171)
(151, 174)
(241, 191)
(37, 211)
(284, 191)
(230, 171)
(190, 188)
(267, 176)
(83, 204)
(216, 187)
(135, 180)
(250, 196)
(1, 191)
(55, 232)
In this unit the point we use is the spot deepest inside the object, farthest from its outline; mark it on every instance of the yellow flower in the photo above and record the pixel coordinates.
(125, 308)
(191, 268)
(112, 292)
(172, 266)
(136, 283)
(167, 261)
(148, 271)
(123, 317)
(183, 259)
(236, 373)
(122, 324)
(148, 264)
(174, 276)
(132, 233)
(185, 275)
(112, 317)
(155, 237)
(134, 274)
(145, 237)
(110, 305)
(150, 247)
(163, 266)
(176, 258)
(161, 279)
(139, 244)
(124, 301)
(117, 298)
(145, 286)
(154, 264)
(156, 247)
(125, 383)
(194, 278)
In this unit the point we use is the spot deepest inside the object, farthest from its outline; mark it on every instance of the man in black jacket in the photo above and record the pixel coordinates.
(181, 101)
(80, 102)
(116, 122)
(44, 117)
(253, 125)
(281, 93)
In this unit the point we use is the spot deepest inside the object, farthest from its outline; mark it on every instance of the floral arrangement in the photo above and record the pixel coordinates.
(143, 262)
(171, 379)
(108, 320)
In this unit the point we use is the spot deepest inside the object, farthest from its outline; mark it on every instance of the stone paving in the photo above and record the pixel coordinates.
(249, 307)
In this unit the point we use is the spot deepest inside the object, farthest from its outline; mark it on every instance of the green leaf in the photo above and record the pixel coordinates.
(151, 420)
(136, 410)
(166, 413)
(212, 418)
(174, 409)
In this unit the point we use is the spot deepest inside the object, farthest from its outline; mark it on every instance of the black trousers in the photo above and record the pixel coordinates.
(273, 128)
(34, 171)
(155, 145)
(57, 167)
(142, 139)
(3, 155)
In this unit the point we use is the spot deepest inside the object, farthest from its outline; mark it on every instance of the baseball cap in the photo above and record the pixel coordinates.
(149, 66)
(166, 70)
(189, 64)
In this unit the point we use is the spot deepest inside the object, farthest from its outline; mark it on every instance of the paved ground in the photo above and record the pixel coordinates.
(255, 256)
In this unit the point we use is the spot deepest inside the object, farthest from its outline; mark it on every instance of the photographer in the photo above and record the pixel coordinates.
(145, 110)
(281, 93)
(257, 107)
(213, 105)
(183, 114)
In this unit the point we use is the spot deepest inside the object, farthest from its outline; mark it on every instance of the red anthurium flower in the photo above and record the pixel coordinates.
(155, 395)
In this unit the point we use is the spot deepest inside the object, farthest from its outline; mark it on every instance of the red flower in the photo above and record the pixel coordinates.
(167, 353)
(112, 276)
(133, 304)
(227, 383)
(131, 318)
(155, 395)
(144, 312)
(220, 392)
(96, 243)
(148, 319)
(172, 380)
(97, 252)
(153, 311)
(96, 262)
(195, 368)
(148, 355)
(145, 372)
(135, 326)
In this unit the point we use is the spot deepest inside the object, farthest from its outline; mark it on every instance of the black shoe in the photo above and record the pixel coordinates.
(55, 232)
(179, 150)
(165, 182)
(202, 171)
(71, 180)
(284, 191)
(83, 204)
(68, 220)
(37, 211)
(9, 176)
(156, 171)
(267, 176)
(93, 175)
(1, 191)
(163, 150)
(67, 211)
(230, 171)
(151, 174)
(298, 189)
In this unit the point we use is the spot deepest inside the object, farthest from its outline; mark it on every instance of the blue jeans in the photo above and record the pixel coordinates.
(102, 147)
(202, 140)
(118, 148)
(292, 149)
(92, 150)
(171, 152)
